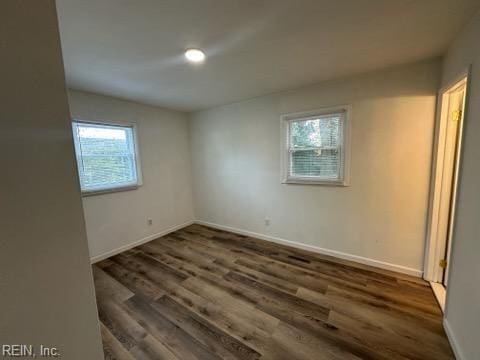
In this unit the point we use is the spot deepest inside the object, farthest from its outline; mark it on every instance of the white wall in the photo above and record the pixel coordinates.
(119, 219)
(381, 215)
(46, 294)
(463, 296)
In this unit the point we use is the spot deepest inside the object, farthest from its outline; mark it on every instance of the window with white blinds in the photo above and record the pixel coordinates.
(314, 148)
(107, 157)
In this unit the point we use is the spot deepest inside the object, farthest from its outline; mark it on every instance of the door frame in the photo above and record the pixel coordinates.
(433, 250)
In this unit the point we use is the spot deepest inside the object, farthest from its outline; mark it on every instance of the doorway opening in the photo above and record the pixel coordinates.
(446, 162)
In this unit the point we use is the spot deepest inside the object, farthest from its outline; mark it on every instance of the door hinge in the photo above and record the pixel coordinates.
(443, 263)
(457, 115)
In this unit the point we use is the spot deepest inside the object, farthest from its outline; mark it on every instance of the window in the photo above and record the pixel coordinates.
(314, 147)
(107, 157)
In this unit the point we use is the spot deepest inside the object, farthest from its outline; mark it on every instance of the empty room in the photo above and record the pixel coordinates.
(240, 179)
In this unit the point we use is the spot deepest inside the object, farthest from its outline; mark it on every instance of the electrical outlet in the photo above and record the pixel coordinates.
(149, 221)
(267, 221)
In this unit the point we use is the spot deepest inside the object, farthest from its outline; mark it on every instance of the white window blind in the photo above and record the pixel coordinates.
(106, 156)
(314, 149)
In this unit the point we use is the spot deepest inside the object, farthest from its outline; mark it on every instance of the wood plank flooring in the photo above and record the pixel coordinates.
(201, 293)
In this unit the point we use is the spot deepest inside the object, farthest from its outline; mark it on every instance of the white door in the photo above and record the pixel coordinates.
(450, 171)
(448, 136)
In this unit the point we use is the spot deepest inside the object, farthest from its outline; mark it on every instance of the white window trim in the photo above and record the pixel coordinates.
(113, 189)
(345, 146)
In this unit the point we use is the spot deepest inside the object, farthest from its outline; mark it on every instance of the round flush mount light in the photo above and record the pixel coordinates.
(195, 55)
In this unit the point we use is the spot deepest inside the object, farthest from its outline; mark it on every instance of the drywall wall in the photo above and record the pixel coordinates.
(47, 295)
(118, 220)
(380, 216)
(463, 295)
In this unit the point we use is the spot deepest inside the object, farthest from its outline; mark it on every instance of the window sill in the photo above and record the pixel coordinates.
(300, 181)
(109, 191)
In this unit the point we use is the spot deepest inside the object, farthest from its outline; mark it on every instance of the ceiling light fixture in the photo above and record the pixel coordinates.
(195, 55)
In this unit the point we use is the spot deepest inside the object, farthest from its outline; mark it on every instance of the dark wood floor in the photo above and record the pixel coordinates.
(201, 293)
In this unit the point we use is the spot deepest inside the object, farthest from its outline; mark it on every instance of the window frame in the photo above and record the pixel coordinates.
(287, 119)
(121, 124)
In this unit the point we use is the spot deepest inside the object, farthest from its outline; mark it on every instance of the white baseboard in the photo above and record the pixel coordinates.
(453, 340)
(338, 254)
(138, 242)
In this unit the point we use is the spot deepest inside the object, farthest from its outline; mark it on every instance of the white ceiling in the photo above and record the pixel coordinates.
(133, 49)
